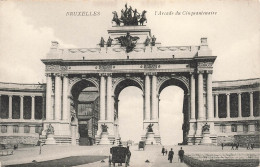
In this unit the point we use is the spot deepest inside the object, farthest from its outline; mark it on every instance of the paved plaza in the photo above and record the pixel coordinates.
(138, 158)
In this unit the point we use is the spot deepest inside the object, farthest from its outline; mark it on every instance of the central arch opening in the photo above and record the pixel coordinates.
(173, 111)
(130, 114)
(171, 115)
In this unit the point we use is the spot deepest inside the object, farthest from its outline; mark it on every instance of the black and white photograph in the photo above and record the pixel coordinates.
(129, 83)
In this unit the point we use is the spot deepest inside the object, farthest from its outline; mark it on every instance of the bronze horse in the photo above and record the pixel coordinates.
(115, 18)
(143, 18)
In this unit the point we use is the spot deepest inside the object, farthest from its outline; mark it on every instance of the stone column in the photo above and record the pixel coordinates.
(228, 105)
(21, 107)
(210, 113)
(57, 97)
(43, 106)
(239, 105)
(10, 106)
(147, 97)
(33, 108)
(154, 98)
(216, 105)
(201, 114)
(251, 104)
(192, 96)
(48, 97)
(102, 97)
(65, 98)
(0, 106)
(109, 97)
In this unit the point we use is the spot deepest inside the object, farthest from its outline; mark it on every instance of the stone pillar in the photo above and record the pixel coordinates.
(65, 98)
(57, 97)
(48, 97)
(0, 107)
(21, 107)
(33, 108)
(147, 97)
(10, 106)
(209, 96)
(228, 105)
(109, 98)
(216, 105)
(201, 114)
(154, 99)
(192, 97)
(102, 97)
(251, 104)
(239, 105)
(43, 106)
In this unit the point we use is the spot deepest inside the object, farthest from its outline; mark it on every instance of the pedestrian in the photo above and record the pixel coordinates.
(170, 155)
(163, 150)
(237, 145)
(232, 146)
(252, 146)
(166, 151)
(128, 156)
(222, 145)
(181, 154)
(248, 146)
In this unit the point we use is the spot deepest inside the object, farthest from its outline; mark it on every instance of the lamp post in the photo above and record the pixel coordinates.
(40, 133)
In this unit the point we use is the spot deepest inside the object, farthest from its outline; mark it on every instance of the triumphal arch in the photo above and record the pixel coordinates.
(131, 56)
(78, 104)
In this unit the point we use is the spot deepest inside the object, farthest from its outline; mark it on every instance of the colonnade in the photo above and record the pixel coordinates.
(10, 105)
(239, 106)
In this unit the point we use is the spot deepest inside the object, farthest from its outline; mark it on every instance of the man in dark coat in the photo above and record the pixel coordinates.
(163, 151)
(128, 156)
(170, 155)
(181, 154)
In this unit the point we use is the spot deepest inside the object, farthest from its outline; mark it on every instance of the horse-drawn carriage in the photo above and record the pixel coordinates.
(119, 155)
(141, 145)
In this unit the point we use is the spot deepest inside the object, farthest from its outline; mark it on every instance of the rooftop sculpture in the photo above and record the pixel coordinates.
(129, 17)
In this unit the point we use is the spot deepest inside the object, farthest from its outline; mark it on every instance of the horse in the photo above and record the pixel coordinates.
(115, 18)
(143, 18)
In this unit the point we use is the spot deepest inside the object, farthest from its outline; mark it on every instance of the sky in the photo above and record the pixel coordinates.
(28, 27)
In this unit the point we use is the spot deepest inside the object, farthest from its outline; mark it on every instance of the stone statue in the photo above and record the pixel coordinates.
(129, 17)
(116, 19)
(50, 129)
(150, 128)
(147, 41)
(205, 128)
(153, 40)
(102, 42)
(109, 42)
(128, 41)
(143, 18)
(104, 128)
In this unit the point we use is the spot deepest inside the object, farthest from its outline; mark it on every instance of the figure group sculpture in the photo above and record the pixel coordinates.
(129, 17)
(50, 129)
(205, 128)
(150, 128)
(104, 128)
